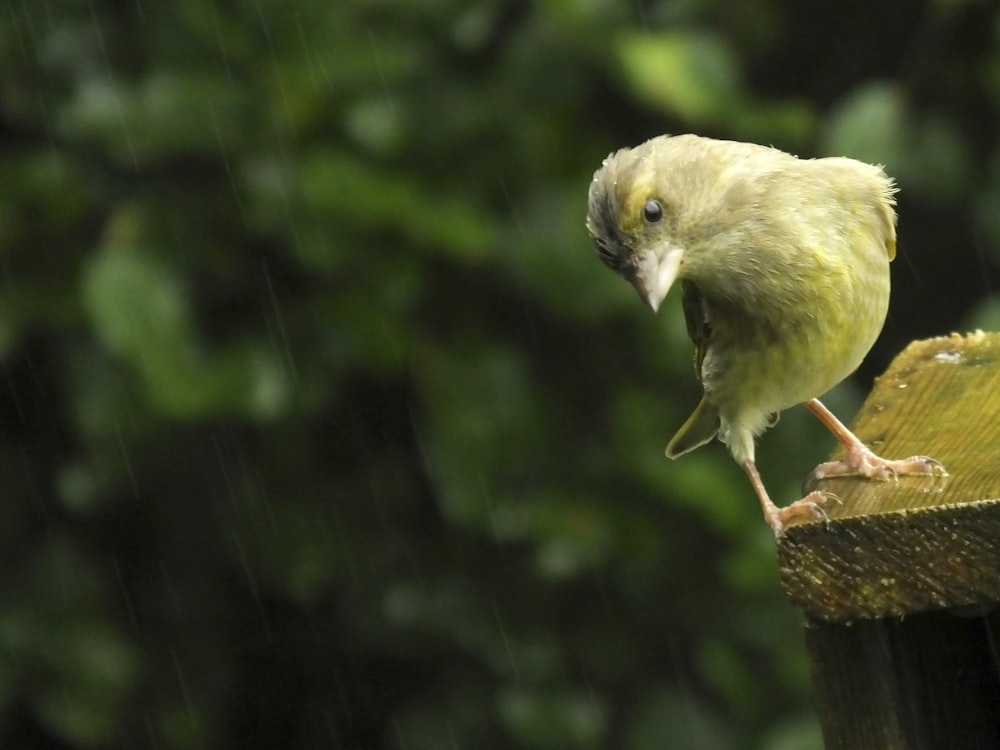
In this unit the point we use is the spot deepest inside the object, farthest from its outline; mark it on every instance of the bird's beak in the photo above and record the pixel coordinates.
(655, 273)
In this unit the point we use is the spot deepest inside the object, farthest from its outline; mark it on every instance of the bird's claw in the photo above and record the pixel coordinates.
(929, 466)
(866, 464)
(806, 510)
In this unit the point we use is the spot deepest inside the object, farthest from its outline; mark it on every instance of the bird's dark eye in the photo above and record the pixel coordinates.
(652, 212)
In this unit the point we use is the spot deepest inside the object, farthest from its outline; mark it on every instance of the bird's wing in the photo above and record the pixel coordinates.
(697, 322)
(703, 424)
(700, 428)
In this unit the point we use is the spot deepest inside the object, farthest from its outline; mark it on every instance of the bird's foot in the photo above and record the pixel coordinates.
(806, 510)
(861, 461)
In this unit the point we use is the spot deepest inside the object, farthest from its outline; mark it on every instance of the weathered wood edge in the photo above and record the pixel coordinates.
(897, 548)
(858, 570)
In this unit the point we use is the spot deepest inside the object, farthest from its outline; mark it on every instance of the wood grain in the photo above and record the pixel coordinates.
(918, 543)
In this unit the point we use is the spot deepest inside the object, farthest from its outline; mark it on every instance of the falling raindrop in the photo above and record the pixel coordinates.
(125, 593)
(126, 135)
(282, 343)
(506, 642)
(254, 590)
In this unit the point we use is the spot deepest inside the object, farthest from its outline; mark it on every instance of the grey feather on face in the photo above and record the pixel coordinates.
(604, 208)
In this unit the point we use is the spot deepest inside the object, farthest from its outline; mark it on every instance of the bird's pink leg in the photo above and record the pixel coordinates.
(861, 460)
(809, 508)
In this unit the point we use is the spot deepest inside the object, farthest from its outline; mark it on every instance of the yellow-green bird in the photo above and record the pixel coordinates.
(784, 270)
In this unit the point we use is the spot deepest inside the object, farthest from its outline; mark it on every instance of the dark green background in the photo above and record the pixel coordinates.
(321, 426)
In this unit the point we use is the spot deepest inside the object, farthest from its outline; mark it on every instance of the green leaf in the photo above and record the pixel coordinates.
(924, 151)
(869, 125)
(140, 310)
(167, 114)
(692, 75)
(552, 717)
(79, 666)
(391, 202)
(678, 720)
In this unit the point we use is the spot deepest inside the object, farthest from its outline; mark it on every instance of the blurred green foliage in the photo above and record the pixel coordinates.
(322, 426)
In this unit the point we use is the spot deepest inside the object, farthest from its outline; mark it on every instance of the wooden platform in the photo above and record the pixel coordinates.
(900, 588)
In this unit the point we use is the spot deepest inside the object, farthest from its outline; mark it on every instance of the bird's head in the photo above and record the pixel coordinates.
(632, 218)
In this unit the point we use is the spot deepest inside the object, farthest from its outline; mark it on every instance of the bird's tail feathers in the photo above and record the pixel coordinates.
(700, 428)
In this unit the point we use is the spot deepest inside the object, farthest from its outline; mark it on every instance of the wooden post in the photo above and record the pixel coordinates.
(900, 589)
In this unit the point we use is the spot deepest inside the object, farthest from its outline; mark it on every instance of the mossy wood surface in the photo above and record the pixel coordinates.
(917, 543)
